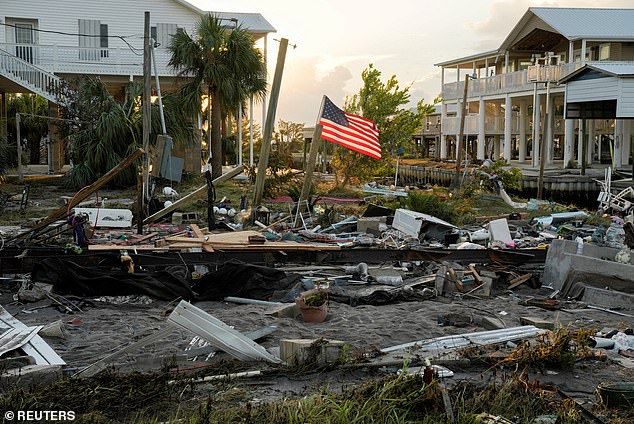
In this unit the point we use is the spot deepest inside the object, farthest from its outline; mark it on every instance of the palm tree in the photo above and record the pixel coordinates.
(223, 61)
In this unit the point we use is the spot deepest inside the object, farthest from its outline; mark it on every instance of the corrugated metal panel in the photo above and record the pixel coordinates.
(593, 90)
(616, 68)
(575, 23)
(254, 22)
(36, 347)
(218, 334)
(14, 338)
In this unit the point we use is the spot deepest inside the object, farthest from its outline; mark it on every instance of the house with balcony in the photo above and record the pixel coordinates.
(42, 42)
(516, 97)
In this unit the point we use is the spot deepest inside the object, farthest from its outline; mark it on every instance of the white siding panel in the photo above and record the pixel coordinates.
(625, 108)
(123, 17)
(593, 89)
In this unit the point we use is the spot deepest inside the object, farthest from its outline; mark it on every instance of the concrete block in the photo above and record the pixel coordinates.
(371, 225)
(538, 322)
(297, 352)
(491, 323)
(177, 218)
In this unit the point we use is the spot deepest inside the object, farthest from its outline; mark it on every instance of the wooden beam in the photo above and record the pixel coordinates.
(193, 195)
(84, 193)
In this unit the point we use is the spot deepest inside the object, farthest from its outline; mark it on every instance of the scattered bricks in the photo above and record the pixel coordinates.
(298, 352)
(538, 322)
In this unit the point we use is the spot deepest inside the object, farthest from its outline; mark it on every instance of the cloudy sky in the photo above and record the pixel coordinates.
(337, 39)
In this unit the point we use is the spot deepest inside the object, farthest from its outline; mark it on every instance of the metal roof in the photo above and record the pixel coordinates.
(253, 22)
(617, 69)
(571, 23)
(578, 23)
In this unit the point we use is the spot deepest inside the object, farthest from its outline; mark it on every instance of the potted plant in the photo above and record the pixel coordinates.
(313, 305)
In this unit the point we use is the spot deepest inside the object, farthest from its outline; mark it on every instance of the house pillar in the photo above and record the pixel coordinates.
(549, 142)
(56, 144)
(583, 52)
(522, 135)
(536, 131)
(443, 135)
(571, 51)
(3, 116)
(590, 149)
(618, 143)
(581, 140)
(481, 132)
(626, 144)
(496, 148)
(569, 140)
(508, 116)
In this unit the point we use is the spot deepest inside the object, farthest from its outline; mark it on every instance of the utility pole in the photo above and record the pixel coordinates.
(147, 110)
(459, 142)
(263, 164)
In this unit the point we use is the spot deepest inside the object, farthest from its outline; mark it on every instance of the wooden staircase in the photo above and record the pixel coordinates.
(29, 76)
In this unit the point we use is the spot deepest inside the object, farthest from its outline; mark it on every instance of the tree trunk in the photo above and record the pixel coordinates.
(216, 140)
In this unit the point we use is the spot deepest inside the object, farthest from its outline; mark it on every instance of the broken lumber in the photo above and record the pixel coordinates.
(193, 195)
(519, 280)
(85, 192)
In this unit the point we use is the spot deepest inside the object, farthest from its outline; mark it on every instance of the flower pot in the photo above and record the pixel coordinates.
(312, 313)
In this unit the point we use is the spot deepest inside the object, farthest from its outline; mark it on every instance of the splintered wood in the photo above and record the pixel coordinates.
(239, 240)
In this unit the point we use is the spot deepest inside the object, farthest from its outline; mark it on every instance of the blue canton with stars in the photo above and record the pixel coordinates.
(334, 114)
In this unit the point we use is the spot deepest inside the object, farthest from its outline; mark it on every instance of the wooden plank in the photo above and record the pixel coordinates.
(184, 239)
(192, 196)
(106, 247)
(141, 239)
(84, 193)
(519, 280)
(201, 234)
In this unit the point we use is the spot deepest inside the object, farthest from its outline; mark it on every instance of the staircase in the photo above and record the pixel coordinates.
(29, 76)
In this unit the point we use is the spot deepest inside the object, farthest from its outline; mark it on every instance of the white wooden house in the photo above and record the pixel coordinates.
(507, 90)
(42, 41)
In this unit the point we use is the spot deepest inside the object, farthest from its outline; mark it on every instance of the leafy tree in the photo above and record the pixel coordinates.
(32, 128)
(223, 62)
(102, 131)
(382, 102)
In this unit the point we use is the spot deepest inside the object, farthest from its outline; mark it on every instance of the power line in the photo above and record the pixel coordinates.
(76, 34)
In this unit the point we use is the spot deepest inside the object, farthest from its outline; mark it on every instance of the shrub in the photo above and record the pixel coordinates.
(431, 205)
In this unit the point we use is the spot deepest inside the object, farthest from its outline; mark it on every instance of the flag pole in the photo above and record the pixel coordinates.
(310, 162)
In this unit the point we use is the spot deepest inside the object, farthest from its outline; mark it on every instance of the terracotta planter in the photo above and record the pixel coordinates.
(312, 313)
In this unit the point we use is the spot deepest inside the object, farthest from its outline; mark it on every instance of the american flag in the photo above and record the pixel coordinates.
(350, 131)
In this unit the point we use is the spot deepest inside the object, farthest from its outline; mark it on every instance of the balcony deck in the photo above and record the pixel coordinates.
(89, 60)
(501, 84)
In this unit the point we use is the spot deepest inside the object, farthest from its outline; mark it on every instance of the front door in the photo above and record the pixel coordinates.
(24, 40)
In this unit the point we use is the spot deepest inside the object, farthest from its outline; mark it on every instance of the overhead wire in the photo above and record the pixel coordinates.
(77, 34)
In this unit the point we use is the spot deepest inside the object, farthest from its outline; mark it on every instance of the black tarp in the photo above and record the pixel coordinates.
(69, 278)
(234, 278)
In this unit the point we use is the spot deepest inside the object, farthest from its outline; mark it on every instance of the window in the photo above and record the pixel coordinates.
(604, 51)
(23, 38)
(103, 39)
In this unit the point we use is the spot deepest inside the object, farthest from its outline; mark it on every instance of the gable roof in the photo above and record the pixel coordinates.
(613, 69)
(577, 23)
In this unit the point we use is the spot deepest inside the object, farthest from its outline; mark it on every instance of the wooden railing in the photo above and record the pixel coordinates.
(504, 83)
(88, 60)
(29, 76)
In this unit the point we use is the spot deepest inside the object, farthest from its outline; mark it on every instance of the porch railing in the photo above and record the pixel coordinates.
(88, 60)
(503, 83)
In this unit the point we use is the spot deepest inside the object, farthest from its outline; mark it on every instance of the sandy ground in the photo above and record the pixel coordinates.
(101, 329)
